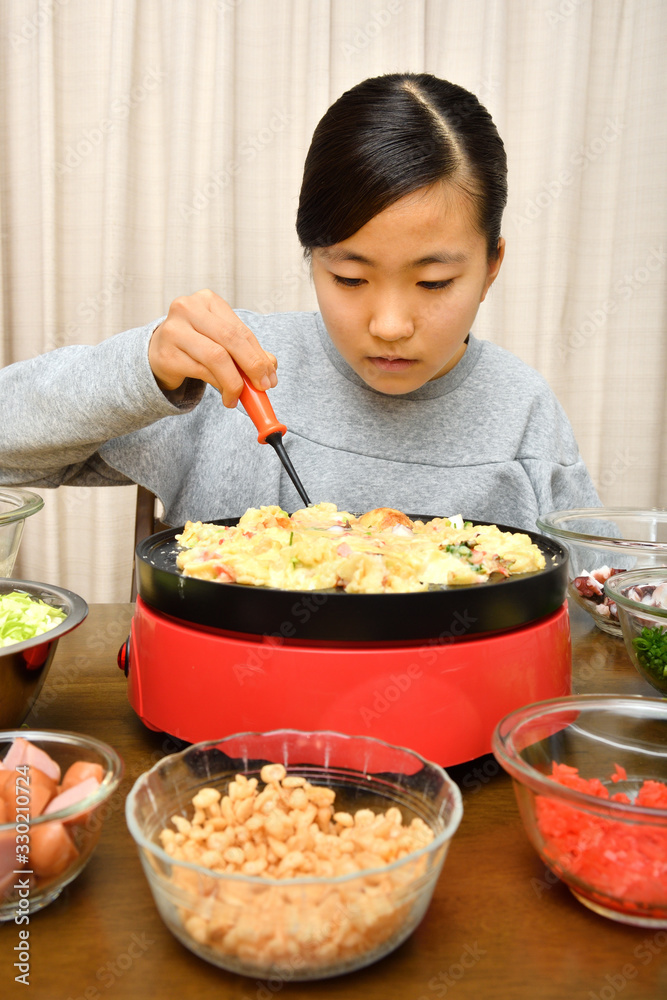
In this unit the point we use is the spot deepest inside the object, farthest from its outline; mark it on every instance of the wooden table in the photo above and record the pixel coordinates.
(499, 925)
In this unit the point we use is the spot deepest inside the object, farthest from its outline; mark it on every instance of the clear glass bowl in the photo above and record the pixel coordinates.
(644, 626)
(15, 507)
(611, 855)
(619, 538)
(308, 927)
(83, 820)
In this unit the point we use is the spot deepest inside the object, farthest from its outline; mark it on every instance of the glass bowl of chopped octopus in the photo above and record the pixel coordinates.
(641, 602)
(602, 542)
(293, 855)
(590, 778)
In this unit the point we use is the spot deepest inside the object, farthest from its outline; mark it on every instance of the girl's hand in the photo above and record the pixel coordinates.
(202, 338)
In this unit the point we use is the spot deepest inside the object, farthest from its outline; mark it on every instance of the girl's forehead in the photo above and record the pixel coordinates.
(427, 226)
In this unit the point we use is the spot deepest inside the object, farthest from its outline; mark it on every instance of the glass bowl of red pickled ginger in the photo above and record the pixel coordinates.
(590, 778)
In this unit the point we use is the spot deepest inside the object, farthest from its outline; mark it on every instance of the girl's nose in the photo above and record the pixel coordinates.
(390, 322)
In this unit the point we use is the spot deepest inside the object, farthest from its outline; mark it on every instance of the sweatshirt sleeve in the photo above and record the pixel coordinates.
(550, 457)
(59, 408)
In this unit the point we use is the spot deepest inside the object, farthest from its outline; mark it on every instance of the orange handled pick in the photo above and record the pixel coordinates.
(259, 409)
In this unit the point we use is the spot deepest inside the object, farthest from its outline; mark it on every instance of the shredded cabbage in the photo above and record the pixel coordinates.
(23, 617)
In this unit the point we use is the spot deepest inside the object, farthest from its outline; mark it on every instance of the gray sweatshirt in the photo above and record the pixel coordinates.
(487, 440)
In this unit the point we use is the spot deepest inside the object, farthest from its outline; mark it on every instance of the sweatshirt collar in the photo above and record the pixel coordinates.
(430, 390)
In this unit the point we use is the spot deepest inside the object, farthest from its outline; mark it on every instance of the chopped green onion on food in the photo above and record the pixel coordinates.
(463, 551)
(23, 617)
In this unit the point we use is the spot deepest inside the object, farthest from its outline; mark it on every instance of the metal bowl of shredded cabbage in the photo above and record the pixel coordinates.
(33, 617)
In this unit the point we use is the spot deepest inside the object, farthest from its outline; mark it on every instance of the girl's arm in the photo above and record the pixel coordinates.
(57, 410)
(551, 459)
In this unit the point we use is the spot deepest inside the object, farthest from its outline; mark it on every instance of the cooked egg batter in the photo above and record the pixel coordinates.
(323, 548)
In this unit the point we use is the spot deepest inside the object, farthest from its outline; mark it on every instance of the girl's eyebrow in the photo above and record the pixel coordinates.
(337, 254)
(441, 257)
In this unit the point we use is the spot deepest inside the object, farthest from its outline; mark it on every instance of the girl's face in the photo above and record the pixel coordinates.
(399, 296)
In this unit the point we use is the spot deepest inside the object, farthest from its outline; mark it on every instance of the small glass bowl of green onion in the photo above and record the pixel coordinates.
(641, 601)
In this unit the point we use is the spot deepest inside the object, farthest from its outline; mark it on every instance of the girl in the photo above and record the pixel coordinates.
(388, 398)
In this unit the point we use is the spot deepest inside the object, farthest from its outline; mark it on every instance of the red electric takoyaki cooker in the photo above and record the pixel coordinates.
(433, 671)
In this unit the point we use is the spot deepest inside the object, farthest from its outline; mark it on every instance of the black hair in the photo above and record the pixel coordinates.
(391, 135)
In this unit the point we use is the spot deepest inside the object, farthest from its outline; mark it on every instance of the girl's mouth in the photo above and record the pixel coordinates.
(392, 364)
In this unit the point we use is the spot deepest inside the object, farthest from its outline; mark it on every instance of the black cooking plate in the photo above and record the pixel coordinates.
(439, 614)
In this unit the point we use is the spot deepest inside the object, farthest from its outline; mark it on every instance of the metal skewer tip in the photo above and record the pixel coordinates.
(276, 441)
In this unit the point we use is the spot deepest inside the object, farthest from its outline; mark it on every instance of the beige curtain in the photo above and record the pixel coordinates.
(153, 147)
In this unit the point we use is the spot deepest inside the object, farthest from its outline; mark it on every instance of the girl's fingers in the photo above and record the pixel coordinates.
(273, 359)
(192, 355)
(202, 337)
(243, 346)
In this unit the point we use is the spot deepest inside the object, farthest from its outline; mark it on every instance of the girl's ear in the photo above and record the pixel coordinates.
(493, 267)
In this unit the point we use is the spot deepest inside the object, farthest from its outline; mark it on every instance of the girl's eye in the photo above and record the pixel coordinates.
(347, 282)
(434, 285)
